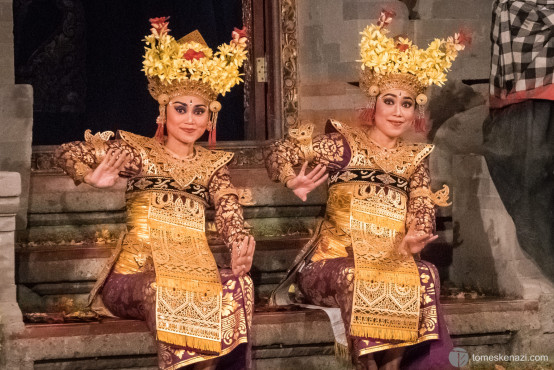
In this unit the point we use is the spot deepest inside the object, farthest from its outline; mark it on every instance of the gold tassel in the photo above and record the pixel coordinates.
(365, 331)
(199, 344)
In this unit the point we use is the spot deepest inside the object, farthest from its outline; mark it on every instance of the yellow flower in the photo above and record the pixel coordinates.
(163, 58)
(384, 55)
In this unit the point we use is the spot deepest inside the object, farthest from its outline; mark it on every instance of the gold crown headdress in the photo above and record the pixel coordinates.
(189, 66)
(396, 63)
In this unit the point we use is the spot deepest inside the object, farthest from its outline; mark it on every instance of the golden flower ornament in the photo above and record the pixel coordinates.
(171, 63)
(383, 56)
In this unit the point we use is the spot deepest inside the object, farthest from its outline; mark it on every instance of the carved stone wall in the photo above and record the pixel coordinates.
(16, 119)
(11, 320)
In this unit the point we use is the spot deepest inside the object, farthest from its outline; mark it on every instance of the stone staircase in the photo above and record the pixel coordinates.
(59, 278)
(72, 232)
(287, 338)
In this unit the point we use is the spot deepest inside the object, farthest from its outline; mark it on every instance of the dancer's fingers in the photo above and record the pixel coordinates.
(121, 161)
(321, 180)
(114, 157)
(313, 172)
(319, 173)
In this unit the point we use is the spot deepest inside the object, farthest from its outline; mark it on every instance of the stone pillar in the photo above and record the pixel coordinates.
(487, 256)
(11, 320)
(16, 114)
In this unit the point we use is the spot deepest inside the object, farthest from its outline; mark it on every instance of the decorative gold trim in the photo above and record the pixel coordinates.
(289, 60)
(440, 197)
(98, 140)
(249, 62)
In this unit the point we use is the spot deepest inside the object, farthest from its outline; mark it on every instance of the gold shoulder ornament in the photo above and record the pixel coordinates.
(303, 135)
(98, 140)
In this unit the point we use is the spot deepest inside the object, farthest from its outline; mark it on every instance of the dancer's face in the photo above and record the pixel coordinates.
(187, 118)
(394, 112)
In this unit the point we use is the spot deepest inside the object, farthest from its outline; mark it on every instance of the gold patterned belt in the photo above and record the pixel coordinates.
(161, 183)
(369, 175)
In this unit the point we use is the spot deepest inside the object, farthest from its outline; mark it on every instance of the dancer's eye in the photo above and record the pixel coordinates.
(407, 104)
(181, 109)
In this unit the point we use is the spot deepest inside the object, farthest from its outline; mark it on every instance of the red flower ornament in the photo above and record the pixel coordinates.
(385, 18)
(239, 37)
(159, 26)
(193, 54)
(402, 47)
(465, 37)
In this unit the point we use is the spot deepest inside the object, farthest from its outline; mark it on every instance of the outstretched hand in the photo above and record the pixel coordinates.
(242, 256)
(107, 172)
(303, 183)
(414, 241)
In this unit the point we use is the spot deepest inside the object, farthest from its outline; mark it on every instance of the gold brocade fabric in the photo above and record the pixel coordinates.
(167, 223)
(369, 216)
(157, 161)
(386, 285)
(189, 292)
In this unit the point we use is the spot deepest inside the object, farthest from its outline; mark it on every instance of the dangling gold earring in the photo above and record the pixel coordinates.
(163, 100)
(214, 107)
(368, 113)
(420, 121)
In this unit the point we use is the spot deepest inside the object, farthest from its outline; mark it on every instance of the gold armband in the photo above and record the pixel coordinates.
(440, 198)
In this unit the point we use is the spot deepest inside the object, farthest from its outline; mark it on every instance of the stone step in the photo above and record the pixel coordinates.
(118, 344)
(59, 278)
(60, 211)
(65, 263)
(282, 338)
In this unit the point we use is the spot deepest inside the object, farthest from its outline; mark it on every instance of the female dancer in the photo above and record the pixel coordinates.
(163, 270)
(380, 210)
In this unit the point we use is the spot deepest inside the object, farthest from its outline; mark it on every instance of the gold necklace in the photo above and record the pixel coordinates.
(380, 155)
(174, 155)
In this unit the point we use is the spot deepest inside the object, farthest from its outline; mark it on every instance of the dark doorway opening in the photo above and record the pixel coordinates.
(84, 60)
